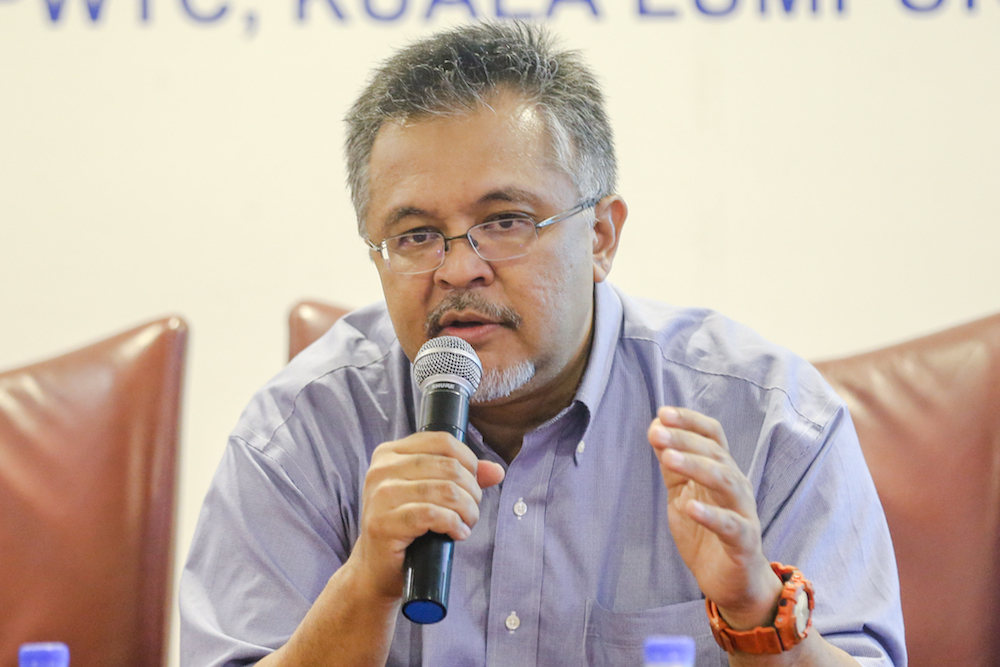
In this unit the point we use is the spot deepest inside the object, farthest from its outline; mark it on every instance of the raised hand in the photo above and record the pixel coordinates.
(713, 516)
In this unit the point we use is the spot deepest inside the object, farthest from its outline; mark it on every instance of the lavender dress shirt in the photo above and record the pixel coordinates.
(572, 562)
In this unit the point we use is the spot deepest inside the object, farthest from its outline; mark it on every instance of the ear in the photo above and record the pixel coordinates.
(610, 214)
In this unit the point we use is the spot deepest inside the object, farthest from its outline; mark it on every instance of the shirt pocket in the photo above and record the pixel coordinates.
(614, 639)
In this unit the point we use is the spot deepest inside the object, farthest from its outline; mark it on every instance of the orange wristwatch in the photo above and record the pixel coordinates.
(791, 625)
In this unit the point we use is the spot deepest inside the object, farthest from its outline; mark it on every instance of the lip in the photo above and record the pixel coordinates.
(472, 327)
(473, 335)
(468, 317)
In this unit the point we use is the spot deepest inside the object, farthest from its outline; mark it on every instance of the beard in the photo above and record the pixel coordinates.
(500, 383)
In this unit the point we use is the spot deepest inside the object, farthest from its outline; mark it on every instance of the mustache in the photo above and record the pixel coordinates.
(459, 301)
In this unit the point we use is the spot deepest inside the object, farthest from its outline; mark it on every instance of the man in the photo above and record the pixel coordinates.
(625, 462)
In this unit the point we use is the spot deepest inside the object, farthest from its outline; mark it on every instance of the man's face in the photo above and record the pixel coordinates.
(450, 173)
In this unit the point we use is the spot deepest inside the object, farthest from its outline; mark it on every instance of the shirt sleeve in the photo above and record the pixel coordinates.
(261, 554)
(819, 511)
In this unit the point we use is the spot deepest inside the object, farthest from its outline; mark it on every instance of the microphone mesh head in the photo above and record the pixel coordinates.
(448, 355)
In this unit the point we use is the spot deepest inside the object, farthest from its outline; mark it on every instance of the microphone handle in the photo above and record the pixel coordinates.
(427, 572)
(427, 564)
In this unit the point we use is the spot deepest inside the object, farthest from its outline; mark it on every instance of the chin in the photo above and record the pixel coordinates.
(499, 383)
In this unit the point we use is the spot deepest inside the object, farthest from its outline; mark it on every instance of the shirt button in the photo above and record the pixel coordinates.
(580, 447)
(520, 508)
(512, 622)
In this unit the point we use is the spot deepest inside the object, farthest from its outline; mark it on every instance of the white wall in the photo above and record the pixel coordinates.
(829, 178)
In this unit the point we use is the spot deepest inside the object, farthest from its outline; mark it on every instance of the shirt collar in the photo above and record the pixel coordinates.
(607, 330)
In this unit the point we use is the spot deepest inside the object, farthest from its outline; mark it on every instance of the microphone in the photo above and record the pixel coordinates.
(448, 372)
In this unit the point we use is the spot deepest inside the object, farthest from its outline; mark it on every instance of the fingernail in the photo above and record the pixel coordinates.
(464, 530)
(697, 509)
(670, 415)
(673, 456)
(662, 434)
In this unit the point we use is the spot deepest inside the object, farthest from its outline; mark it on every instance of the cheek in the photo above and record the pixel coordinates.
(405, 300)
(563, 294)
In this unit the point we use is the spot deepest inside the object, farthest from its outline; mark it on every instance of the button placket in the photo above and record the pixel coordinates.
(518, 556)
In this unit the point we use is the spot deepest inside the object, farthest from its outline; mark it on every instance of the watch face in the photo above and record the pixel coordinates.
(801, 612)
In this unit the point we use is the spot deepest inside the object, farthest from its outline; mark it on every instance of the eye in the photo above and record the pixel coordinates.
(416, 240)
(509, 223)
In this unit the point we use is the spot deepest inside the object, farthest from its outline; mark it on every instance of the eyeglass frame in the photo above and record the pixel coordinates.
(383, 247)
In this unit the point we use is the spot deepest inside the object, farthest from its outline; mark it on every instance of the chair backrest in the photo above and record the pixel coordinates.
(88, 453)
(928, 418)
(307, 321)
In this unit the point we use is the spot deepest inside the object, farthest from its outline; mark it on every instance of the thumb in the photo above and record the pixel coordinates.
(489, 474)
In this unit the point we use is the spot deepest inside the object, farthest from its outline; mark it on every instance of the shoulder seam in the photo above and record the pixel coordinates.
(291, 481)
(298, 395)
(666, 359)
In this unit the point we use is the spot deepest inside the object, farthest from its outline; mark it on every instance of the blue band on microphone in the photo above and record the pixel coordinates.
(423, 611)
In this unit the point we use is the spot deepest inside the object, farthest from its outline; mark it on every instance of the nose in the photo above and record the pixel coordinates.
(462, 266)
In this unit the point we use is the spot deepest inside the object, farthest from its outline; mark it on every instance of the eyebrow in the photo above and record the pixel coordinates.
(510, 195)
(401, 213)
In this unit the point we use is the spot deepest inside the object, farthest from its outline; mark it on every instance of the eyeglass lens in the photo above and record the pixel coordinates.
(494, 240)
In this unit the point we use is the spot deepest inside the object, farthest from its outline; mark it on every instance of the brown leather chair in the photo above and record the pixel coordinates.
(928, 417)
(88, 455)
(307, 321)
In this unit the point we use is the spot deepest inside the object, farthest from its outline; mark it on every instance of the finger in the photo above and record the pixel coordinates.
(411, 520)
(421, 467)
(690, 420)
(736, 531)
(728, 486)
(446, 494)
(661, 436)
(409, 509)
(436, 442)
(424, 458)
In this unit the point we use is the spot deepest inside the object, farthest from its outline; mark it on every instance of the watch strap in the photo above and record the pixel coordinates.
(772, 639)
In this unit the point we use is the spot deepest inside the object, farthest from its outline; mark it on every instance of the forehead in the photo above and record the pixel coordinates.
(449, 164)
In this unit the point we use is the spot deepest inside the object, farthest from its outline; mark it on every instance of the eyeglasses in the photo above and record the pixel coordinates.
(494, 240)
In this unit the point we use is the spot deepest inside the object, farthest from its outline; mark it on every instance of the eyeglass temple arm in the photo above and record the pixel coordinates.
(582, 206)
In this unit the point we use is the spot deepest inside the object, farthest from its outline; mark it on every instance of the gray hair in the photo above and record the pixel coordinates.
(459, 70)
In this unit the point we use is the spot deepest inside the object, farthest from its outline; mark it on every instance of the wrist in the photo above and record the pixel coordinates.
(349, 620)
(761, 610)
(358, 580)
(788, 628)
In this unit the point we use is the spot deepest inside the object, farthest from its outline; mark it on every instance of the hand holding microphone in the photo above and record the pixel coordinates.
(448, 372)
(427, 481)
